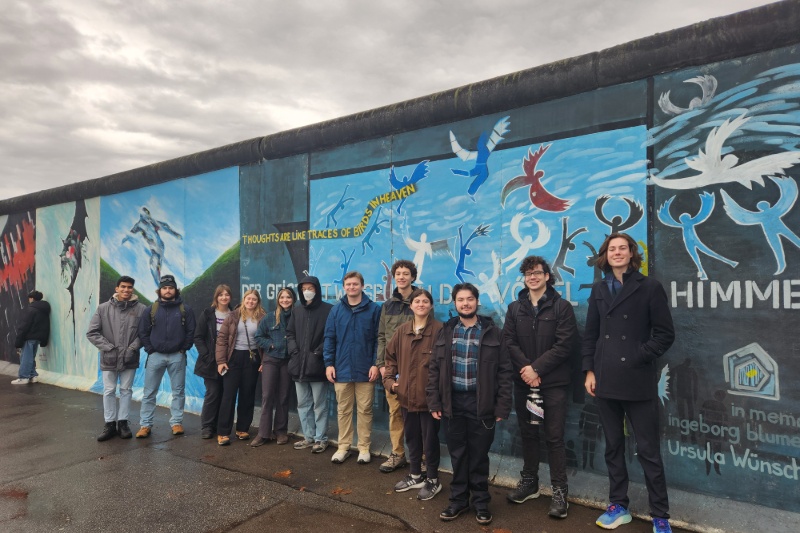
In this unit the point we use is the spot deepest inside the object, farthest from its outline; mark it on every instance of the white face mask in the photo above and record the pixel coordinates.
(309, 295)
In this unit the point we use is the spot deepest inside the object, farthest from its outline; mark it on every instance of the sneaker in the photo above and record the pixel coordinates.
(340, 456)
(432, 488)
(21, 381)
(364, 458)
(483, 516)
(409, 482)
(452, 512)
(143, 432)
(303, 444)
(177, 429)
(393, 463)
(123, 429)
(207, 433)
(34, 379)
(109, 431)
(559, 505)
(661, 525)
(223, 440)
(320, 447)
(282, 439)
(527, 489)
(242, 435)
(615, 516)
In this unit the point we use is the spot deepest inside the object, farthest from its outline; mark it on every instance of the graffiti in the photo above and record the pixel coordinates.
(663, 385)
(486, 144)
(618, 224)
(339, 206)
(150, 228)
(750, 371)
(560, 262)
(71, 256)
(464, 250)
(490, 288)
(17, 267)
(688, 225)
(708, 84)
(526, 243)
(531, 178)
(375, 229)
(344, 265)
(420, 173)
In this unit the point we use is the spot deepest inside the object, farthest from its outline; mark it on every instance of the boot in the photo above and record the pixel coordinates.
(558, 507)
(109, 431)
(527, 489)
(123, 429)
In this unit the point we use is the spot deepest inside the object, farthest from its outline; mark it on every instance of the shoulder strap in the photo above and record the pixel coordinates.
(154, 309)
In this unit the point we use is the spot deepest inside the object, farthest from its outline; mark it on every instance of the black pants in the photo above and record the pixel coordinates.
(422, 436)
(468, 441)
(209, 415)
(241, 378)
(644, 419)
(555, 419)
(275, 383)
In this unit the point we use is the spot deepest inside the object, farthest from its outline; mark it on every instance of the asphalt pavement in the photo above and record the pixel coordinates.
(55, 476)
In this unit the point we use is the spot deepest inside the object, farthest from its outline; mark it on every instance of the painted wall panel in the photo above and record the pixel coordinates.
(17, 274)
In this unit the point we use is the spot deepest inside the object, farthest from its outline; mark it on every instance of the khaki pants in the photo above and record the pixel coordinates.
(364, 395)
(395, 423)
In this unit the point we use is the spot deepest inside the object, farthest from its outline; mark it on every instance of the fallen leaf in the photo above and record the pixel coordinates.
(282, 474)
(302, 489)
(340, 490)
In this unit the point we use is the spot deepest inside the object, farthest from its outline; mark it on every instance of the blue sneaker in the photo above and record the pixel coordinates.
(661, 525)
(615, 516)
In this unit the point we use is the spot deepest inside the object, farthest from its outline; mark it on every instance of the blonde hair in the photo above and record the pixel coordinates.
(259, 311)
(278, 307)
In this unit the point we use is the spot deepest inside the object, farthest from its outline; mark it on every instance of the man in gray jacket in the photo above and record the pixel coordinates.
(114, 330)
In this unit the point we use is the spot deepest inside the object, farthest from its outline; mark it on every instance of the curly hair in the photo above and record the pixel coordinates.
(405, 263)
(530, 262)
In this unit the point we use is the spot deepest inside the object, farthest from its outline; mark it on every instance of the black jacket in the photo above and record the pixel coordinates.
(625, 335)
(305, 335)
(494, 372)
(205, 340)
(33, 324)
(544, 340)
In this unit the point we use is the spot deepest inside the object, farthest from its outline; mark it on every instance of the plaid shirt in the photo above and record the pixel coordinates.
(466, 344)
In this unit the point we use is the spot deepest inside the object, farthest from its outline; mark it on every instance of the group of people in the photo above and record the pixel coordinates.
(465, 374)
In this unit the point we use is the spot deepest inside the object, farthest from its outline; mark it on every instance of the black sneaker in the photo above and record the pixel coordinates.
(527, 489)
(429, 490)
(124, 429)
(409, 482)
(452, 512)
(109, 431)
(559, 505)
(483, 516)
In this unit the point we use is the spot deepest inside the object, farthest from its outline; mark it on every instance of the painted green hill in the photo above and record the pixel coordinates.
(108, 282)
(225, 269)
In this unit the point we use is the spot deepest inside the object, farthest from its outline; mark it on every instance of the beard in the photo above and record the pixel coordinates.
(467, 315)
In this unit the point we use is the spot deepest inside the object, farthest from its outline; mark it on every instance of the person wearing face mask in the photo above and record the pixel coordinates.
(205, 340)
(469, 389)
(305, 334)
(238, 359)
(275, 381)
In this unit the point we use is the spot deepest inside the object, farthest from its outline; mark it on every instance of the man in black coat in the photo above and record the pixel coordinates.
(540, 331)
(33, 330)
(628, 327)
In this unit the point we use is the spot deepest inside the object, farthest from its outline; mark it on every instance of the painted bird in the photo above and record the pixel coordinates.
(540, 197)
(486, 144)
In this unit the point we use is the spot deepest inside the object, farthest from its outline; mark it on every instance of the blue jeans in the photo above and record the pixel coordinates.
(27, 360)
(110, 378)
(154, 367)
(314, 422)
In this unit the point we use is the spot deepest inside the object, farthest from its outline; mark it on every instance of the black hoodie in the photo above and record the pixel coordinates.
(305, 335)
(33, 324)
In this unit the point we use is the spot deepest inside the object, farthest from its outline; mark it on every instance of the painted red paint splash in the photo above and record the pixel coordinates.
(20, 265)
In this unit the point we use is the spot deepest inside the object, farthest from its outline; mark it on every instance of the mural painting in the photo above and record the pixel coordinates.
(17, 251)
(188, 228)
(725, 177)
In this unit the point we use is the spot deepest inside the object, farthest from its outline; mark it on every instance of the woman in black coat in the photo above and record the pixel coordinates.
(205, 339)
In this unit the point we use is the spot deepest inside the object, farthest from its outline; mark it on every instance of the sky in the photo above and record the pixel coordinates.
(89, 88)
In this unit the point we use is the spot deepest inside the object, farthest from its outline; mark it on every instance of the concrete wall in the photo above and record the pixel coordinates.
(686, 140)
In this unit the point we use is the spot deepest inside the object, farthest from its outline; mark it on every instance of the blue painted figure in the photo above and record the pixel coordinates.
(374, 229)
(486, 144)
(345, 265)
(464, 250)
(149, 228)
(419, 174)
(338, 207)
(769, 217)
(688, 225)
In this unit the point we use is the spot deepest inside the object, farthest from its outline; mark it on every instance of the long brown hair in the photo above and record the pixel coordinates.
(259, 311)
(602, 260)
(219, 290)
(422, 292)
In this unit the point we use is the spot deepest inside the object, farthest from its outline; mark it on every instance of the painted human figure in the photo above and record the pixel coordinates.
(465, 251)
(567, 245)
(486, 144)
(374, 229)
(685, 385)
(149, 228)
(714, 414)
(591, 260)
(340, 205)
(345, 264)
(526, 243)
(617, 224)
(688, 225)
(769, 218)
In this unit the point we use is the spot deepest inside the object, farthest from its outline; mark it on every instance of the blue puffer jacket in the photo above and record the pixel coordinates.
(351, 339)
(271, 337)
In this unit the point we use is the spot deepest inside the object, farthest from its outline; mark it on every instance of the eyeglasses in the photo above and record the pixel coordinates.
(534, 273)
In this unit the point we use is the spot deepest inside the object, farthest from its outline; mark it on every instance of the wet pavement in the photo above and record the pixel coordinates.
(55, 476)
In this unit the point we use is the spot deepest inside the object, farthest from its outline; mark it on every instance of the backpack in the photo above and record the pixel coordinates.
(154, 309)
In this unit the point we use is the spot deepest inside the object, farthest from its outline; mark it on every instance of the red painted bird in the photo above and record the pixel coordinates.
(540, 197)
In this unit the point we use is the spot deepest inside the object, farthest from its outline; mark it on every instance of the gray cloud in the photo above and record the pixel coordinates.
(97, 87)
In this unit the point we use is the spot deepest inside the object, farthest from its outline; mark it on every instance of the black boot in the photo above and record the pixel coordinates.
(558, 507)
(109, 431)
(123, 429)
(527, 489)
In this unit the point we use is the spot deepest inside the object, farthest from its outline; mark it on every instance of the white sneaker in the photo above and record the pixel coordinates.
(364, 458)
(20, 381)
(33, 380)
(340, 456)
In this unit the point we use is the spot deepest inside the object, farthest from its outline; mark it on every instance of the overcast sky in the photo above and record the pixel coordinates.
(89, 88)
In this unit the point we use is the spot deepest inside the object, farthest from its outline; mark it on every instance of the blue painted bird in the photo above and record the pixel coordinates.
(486, 144)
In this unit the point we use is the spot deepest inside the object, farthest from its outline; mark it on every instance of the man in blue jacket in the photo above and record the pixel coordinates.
(166, 330)
(350, 349)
